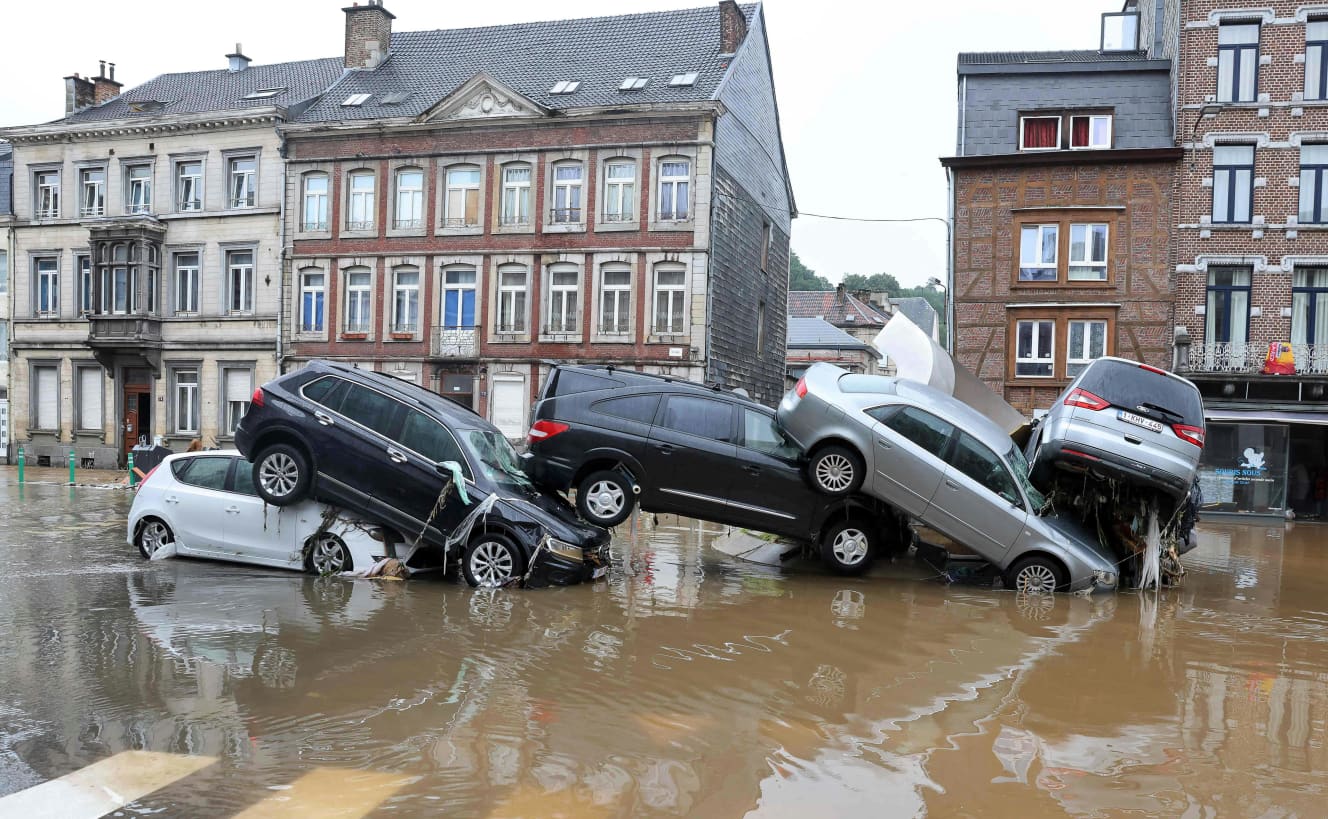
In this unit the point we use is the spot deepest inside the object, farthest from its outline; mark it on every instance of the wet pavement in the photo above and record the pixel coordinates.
(687, 683)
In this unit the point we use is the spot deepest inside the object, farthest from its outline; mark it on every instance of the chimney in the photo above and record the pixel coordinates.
(368, 34)
(239, 62)
(732, 27)
(79, 93)
(105, 87)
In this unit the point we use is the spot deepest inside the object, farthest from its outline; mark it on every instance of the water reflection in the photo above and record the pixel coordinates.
(687, 684)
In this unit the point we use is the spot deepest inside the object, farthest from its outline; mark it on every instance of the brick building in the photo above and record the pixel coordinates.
(465, 204)
(1061, 194)
(1251, 226)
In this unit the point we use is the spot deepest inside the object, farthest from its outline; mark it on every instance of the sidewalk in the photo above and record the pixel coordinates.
(60, 475)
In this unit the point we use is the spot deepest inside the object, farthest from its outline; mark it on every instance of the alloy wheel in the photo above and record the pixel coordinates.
(328, 555)
(492, 564)
(850, 547)
(834, 473)
(1035, 579)
(155, 536)
(605, 499)
(279, 474)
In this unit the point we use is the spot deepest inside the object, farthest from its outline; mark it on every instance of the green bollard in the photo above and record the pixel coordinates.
(71, 465)
(21, 462)
(133, 479)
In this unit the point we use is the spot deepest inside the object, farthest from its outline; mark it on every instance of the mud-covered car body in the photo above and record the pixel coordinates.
(380, 446)
(942, 463)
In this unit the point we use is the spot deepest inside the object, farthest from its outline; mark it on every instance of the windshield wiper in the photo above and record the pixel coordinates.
(1162, 410)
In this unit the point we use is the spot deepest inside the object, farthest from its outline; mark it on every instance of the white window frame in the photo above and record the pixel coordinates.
(233, 410)
(1238, 56)
(246, 274)
(564, 302)
(83, 264)
(1092, 120)
(362, 203)
(80, 405)
(359, 299)
(241, 185)
(1059, 126)
(1039, 264)
(405, 298)
(46, 193)
(673, 182)
(88, 185)
(196, 182)
(517, 193)
(674, 292)
(319, 290)
(1033, 358)
(570, 193)
(1083, 356)
(186, 288)
(46, 267)
(407, 200)
(461, 289)
(513, 313)
(620, 199)
(190, 390)
(1089, 262)
(138, 188)
(620, 296)
(464, 190)
(318, 200)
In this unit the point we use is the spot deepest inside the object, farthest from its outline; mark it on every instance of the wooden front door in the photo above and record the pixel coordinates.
(137, 419)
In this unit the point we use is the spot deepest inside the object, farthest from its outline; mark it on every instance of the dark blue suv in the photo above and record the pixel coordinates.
(382, 447)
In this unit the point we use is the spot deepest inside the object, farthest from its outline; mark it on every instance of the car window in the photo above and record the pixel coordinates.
(922, 428)
(207, 472)
(497, 460)
(1015, 458)
(1126, 384)
(882, 413)
(370, 408)
(699, 416)
(570, 382)
(243, 480)
(429, 438)
(326, 391)
(632, 407)
(760, 433)
(981, 464)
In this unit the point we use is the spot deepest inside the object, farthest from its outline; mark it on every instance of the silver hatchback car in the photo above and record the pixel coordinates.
(943, 463)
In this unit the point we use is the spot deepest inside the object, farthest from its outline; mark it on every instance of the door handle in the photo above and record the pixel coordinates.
(396, 455)
(171, 499)
(1131, 439)
(952, 484)
(884, 443)
(667, 449)
(232, 510)
(323, 418)
(755, 470)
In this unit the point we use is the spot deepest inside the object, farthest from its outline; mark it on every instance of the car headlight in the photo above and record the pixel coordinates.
(1104, 578)
(564, 549)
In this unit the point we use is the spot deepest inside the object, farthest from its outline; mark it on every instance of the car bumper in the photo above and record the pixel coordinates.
(551, 569)
(1079, 458)
(546, 472)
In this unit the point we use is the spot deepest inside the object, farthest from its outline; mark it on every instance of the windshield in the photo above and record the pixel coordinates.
(1015, 457)
(498, 461)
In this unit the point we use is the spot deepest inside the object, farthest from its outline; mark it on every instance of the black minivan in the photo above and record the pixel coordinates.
(623, 438)
(382, 447)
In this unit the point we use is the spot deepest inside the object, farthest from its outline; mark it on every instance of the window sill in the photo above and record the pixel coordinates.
(354, 336)
(510, 338)
(673, 226)
(613, 227)
(359, 234)
(509, 229)
(313, 234)
(419, 231)
(468, 230)
(1020, 284)
(564, 227)
(403, 336)
(573, 337)
(615, 338)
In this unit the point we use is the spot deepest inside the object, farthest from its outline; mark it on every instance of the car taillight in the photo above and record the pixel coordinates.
(1185, 432)
(257, 398)
(801, 388)
(1152, 369)
(1085, 399)
(544, 430)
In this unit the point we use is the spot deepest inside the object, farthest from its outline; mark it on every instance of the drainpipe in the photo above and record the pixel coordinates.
(281, 259)
(949, 263)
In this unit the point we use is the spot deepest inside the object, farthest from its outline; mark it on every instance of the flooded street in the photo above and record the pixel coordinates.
(687, 683)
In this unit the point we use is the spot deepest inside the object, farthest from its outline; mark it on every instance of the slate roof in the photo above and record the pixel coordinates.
(195, 92)
(814, 333)
(918, 310)
(834, 306)
(599, 52)
(1020, 57)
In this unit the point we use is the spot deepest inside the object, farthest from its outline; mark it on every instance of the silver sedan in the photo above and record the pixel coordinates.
(943, 463)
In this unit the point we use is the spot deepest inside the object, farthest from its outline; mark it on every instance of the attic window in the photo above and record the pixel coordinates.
(263, 93)
(565, 87)
(395, 98)
(683, 80)
(633, 84)
(357, 99)
(142, 106)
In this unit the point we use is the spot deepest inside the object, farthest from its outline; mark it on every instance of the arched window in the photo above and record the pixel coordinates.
(567, 177)
(313, 293)
(358, 299)
(362, 201)
(512, 286)
(619, 190)
(670, 298)
(409, 199)
(615, 299)
(459, 296)
(516, 195)
(461, 206)
(314, 217)
(564, 284)
(405, 299)
(675, 175)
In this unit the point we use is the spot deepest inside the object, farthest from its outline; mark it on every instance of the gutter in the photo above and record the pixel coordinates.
(1062, 157)
(282, 257)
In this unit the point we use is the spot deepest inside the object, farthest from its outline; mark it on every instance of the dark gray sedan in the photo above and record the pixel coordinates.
(943, 463)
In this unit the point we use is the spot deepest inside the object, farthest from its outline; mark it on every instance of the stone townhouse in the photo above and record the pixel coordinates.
(145, 257)
(6, 216)
(1251, 227)
(1061, 193)
(466, 204)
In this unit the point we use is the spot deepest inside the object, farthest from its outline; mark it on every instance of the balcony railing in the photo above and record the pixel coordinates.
(358, 224)
(407, 224)
(313, 227)
(617, 218)
(565, 216)
(456, 342)
(1244, 357)
(459, 222)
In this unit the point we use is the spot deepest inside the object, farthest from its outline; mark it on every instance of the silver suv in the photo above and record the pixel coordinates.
(1125, 421)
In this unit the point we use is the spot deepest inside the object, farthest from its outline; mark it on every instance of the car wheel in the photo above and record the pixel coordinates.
(1037, 575)
(605, 498)
(491, 560)
(328, 555)
(153, 535)
(849, 547)
(281, 475)
(836, 471)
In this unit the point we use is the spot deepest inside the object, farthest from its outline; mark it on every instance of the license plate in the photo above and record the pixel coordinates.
(1139, 421)
(599, 572)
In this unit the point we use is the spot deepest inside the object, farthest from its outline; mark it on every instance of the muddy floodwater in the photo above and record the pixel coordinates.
(687, 683)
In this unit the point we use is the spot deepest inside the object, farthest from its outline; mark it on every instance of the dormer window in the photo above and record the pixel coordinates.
(263, 93)
(565, 87)
(356, 100)
(1057, 130)
(145, 106)
(1090, 131)
(1120, 31)
(1039, 133)
(633, 84)
(683, 80)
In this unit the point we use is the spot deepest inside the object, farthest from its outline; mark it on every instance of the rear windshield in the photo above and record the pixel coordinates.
(1130, 386)
(866, 383)
(570, 382)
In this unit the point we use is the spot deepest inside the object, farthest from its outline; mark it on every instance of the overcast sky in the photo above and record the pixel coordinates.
(866, 89)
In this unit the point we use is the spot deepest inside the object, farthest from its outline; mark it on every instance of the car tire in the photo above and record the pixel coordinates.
(605, 498)
(836, 471)
(1036, 574)
(152, 535)
(328, 555)
(282, 475)
(492, 560)
(849, 547)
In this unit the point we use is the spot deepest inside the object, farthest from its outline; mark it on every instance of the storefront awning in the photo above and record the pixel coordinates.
(1252, 416)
